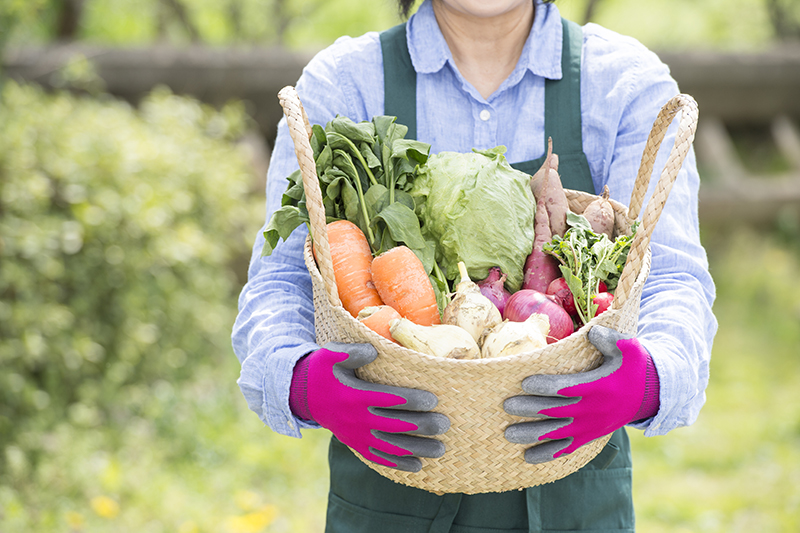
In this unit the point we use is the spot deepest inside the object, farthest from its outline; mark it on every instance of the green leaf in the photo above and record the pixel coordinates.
(282, 223)
(578, 221)
(411, 150)
(324, 160)
(376, 198)
(345, 128)
(403, 224)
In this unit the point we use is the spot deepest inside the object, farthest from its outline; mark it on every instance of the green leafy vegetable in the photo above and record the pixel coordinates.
(477, 209)
(586, 258)
(365, 171)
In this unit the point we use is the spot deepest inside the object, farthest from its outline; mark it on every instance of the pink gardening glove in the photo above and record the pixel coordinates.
(380, 422)
(573, 409)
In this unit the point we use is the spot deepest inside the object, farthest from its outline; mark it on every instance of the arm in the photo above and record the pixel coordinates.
(671, 351)
(275, 324)
(676, 323)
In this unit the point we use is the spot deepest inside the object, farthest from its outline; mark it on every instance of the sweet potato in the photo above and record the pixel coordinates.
(538, 180)
(546, 184)
(540, 268)
(600, 215)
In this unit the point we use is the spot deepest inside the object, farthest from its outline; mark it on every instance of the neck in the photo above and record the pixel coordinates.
(485, 48)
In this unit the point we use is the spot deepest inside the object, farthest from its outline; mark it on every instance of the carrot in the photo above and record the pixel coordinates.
(402, 283)
(377, 319)
(352, 266)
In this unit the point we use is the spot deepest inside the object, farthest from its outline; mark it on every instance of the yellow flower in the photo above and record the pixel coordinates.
(105, 507)
(75, 520)
(190, 526)
(252, 522)
(246, 500)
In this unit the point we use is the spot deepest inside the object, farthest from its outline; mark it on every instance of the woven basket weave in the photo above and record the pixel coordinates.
(471, 392)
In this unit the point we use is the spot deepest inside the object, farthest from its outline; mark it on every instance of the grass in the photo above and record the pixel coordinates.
(738, 466)
(199, 461)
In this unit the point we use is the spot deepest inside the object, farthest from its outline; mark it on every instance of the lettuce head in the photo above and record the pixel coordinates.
(477, 209)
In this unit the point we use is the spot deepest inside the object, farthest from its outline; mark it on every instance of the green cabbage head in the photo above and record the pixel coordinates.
(477, 209)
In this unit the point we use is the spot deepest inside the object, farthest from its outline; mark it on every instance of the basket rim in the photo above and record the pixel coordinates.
(378, 340)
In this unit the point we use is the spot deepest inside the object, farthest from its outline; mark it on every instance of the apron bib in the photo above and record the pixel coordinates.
(596, 498)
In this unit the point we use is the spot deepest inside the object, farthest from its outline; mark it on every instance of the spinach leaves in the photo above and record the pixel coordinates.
(365, 170)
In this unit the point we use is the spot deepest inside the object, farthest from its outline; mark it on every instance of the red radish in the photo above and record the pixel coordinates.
(526, 302)
(559, 289)
(493, 288)
(603, 301)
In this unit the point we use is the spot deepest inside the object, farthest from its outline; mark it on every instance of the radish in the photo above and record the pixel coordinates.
(602, 301)
(526, 302)
(559, 289)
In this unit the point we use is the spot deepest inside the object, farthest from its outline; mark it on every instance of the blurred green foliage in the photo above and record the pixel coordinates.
(661, 24)
(195, 460)
(117, 228)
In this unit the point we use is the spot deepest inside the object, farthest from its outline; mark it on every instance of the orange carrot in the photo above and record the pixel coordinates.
(402, 283)
(377, 319)
(352, 260)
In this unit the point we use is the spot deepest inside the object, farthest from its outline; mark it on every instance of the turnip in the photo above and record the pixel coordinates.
(526, 302)
(602, 301)
(511, 338)
(493, 287)
(469, 308)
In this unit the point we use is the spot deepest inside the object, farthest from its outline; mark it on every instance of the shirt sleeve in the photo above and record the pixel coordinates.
(676, 323)
(275, 324)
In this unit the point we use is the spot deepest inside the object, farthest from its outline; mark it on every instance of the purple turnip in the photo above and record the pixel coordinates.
(526, 302)
(493, 287)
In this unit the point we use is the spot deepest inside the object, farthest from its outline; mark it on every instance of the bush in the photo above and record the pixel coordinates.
(117, 228)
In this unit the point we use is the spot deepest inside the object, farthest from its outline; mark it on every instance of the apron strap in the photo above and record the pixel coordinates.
(399, 79)
(562, 118)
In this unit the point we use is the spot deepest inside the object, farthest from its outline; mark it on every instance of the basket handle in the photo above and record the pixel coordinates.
(300, 131)
(683, 142)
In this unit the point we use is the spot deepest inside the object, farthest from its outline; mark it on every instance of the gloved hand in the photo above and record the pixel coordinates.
(381, 422)
(573, 409)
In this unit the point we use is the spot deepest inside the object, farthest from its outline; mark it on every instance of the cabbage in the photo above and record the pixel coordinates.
(477, 209)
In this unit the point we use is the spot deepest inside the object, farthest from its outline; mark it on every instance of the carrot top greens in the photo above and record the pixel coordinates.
(586, 258)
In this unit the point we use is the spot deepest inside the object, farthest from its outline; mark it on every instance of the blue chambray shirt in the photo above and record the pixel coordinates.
(623, 87)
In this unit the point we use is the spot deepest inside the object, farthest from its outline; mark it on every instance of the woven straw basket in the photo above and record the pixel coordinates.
(471, 392)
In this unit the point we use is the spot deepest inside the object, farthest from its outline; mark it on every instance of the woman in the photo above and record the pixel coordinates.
(466, 74)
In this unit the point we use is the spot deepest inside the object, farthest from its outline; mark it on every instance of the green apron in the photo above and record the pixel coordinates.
(598, 497)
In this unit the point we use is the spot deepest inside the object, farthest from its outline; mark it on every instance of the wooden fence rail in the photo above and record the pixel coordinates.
(730, 88)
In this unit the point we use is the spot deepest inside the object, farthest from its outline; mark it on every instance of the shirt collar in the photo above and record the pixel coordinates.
(541, 54)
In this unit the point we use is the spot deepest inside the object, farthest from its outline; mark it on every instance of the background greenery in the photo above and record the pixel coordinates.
(665, 24)
(119, 231)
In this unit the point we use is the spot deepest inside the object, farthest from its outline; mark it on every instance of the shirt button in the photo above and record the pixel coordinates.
(485, 115)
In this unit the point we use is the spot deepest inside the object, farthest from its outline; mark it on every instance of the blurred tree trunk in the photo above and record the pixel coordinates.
(784, 22)
(235, 16)
(282, 20)
(178, 11)
(588, 14)
(68, 22)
